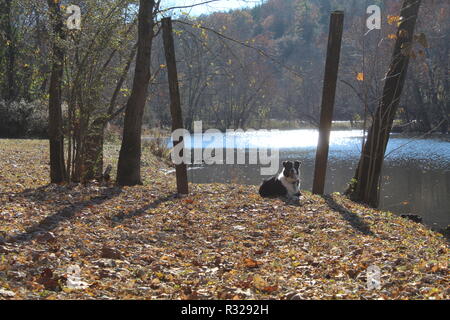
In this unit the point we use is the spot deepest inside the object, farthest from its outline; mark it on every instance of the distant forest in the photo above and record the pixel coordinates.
(236, 69)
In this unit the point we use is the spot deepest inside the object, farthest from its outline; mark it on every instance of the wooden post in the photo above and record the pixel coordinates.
(328, 95)
(175, 104)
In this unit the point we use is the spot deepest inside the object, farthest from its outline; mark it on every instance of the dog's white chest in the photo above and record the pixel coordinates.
(291, 187)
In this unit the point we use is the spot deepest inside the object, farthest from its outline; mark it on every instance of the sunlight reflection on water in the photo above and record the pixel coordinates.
(270, 139)
(344, 145)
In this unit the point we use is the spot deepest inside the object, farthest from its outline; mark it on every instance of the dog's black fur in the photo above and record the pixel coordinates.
(272, 188)
(278, 186)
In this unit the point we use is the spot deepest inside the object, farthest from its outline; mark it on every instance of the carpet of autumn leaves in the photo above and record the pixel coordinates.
(221, 242)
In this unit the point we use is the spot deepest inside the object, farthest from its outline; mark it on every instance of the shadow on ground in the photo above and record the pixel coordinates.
(122, 216)
(352, 218)
(52, 221)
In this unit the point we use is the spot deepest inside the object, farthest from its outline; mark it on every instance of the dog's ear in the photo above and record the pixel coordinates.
(287, 164)
(297, 164)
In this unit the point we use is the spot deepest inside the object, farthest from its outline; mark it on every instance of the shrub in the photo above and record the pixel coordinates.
(20, 119)
(113, 134)
(157, 145)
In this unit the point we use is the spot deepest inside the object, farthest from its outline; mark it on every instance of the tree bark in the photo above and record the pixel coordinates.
(422, 113)
(10, 56)
(93, 160)
(95, 138)
(175, 103)
(365, 186)
(57, 169)
(129, 166)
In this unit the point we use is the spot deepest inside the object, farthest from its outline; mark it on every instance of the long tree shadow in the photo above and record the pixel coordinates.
(352, 218)
(121, 216)
(42, 193)
(51, 222)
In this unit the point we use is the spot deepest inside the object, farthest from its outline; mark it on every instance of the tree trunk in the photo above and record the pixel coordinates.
(422, 113)
(93, 159)
(57, 170)
(365, 186)
(80, 134)
(175, 101)
(129, 166)
(95, 138)
(10, 56)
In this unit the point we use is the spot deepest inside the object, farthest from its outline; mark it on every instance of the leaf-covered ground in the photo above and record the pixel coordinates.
(221, 242)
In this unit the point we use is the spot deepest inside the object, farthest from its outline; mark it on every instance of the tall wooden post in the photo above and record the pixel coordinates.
(175, 104)
(328, 95)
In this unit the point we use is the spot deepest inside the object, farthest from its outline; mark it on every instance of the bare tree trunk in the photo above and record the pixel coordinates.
(95, 138)
(57, 169)
(175, 103)
(423, 115)
(80, 137)
(6, 26)
(129, 166)
(93, 160)
(439, 103)
(365, 186)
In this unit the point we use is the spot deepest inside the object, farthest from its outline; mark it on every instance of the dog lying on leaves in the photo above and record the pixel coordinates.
(286, 184)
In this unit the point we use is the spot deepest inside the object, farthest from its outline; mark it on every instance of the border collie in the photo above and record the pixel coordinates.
(287, 183)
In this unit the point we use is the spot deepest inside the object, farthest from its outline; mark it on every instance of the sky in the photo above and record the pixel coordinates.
(219, 5)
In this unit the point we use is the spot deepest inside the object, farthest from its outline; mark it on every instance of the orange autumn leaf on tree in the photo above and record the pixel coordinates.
(392, 19)
(422, 39)
(392, 36)
(360, 76)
